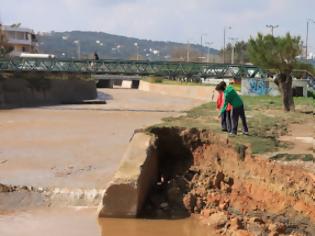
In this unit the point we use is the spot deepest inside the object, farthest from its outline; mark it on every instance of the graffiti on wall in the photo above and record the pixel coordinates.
(258, 87)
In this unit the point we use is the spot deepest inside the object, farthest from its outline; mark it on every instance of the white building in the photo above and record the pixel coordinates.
(23, 40)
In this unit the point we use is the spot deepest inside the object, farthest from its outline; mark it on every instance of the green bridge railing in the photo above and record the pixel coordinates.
(128, 67)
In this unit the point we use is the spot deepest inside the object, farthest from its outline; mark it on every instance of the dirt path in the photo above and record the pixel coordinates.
(301, 138)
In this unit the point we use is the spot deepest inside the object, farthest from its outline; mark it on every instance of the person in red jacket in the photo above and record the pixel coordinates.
(226, 123)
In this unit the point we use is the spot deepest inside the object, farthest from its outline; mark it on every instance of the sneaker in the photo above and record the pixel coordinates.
(232, 134)
(245, 133)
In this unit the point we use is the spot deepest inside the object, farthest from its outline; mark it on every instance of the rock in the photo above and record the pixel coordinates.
(199, 205)
(164, 205)
(4, 188)
(189, 202)
(225, 187)
(256, 228)
(235, 224)
(174, 194)
(217, 220)
(182, 183)
(241, 233)
(224, 206)
(207, 212)
(219, 177)
(229, 181)
(277, 228)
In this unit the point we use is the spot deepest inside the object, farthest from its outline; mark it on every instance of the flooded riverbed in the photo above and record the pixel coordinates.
(77, 147)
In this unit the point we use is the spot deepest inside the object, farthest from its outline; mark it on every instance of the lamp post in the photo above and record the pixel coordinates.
(201, 43)
(77, 42)
(224, 39)
(208, 55)
(307, 31)
(137, 46)
(188, 51)
(272, 27)
(233, 40)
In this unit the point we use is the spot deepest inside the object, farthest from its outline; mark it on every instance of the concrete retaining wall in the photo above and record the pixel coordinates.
(27, 90)
(263, 87)
(206, 93)
(127, 192)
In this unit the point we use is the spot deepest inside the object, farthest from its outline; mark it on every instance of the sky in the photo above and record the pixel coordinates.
(166, 20)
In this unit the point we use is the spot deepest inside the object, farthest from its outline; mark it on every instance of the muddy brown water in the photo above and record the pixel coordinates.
(78, 146)
(83, 222)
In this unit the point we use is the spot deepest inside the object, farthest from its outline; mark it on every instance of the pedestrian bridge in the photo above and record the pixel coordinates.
(130, 68)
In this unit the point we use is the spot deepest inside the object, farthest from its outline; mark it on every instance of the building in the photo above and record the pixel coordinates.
(23, 40)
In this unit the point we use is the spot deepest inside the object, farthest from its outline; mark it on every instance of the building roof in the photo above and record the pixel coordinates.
(17, 29)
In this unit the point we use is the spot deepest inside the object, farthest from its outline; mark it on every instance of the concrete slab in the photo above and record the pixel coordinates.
(127, 192)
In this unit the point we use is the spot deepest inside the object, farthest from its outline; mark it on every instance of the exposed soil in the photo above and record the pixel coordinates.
(204, 175)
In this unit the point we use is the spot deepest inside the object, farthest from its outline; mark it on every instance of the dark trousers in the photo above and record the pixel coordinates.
(237, 113)
(226, 123)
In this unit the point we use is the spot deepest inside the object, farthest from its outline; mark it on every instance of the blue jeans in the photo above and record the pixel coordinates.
(237, 113)
(226, 123)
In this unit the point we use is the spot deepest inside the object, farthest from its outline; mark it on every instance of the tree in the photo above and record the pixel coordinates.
(240, 50)
(277, 53)
(5, 48)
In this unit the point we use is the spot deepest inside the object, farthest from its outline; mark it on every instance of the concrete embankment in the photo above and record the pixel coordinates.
(205, 93)
(32, 89)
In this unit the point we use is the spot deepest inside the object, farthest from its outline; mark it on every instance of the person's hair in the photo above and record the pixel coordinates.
(221, 86)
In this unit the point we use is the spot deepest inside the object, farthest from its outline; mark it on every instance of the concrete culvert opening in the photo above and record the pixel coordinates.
(175, 159)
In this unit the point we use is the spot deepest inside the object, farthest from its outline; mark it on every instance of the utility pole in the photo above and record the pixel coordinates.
(137, 46)
(224, 39)
(272, 27)
(201, 43)
(307, 32)
(233, 40)
(208, 55)
(77, 42)
(188, 52)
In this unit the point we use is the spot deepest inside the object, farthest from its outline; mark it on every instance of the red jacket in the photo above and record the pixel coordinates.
(220, 102)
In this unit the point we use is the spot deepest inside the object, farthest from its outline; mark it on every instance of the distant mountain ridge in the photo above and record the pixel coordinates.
(109, 46)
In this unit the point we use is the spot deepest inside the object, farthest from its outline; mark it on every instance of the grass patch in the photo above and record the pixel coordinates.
(161, 80)
(293, 157)
(266, 120)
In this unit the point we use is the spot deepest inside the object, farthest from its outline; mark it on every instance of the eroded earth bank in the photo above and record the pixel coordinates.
(203, 174)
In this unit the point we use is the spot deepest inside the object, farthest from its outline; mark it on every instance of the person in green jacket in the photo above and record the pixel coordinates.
(231, 97)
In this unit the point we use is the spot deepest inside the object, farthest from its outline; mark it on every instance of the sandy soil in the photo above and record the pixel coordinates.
(77, 145)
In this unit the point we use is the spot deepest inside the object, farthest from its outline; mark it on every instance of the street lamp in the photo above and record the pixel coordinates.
(201, 43)
(224, 38)
(208, 55)
(188, 51)
(233, 40)
(77, 42)
(272, 27)
(307, 31)
(137, 46)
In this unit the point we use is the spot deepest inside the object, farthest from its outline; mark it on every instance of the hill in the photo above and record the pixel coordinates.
(62, 44)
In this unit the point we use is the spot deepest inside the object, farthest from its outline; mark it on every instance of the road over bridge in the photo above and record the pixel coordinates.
(131, 68)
